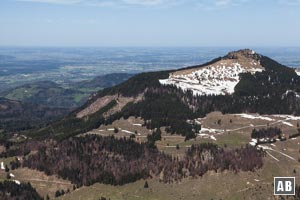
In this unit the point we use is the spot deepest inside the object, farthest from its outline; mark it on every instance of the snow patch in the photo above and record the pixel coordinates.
(210, 130)
(254, 116)
(218, 79)
(2, 166)
(288, 117)
(213, 137)
(297, 71)
(126, 131)
(264, 147)
(287, 123)
(197, 122)
(137, 124)
(252, 143)
(254, 140)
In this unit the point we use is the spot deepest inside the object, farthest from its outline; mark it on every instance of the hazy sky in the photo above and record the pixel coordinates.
(150, 23)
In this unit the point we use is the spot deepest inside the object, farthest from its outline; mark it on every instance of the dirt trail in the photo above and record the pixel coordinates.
(257, 126)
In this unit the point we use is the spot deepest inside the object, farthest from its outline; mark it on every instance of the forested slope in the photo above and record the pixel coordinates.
(272, 91)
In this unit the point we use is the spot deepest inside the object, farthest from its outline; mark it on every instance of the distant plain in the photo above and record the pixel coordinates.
(20, 65)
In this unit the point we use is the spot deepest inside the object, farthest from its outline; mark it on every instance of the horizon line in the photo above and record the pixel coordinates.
(148, 46)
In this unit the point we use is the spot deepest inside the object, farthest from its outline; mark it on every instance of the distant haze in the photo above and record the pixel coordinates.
(150, 23)
(19, 65)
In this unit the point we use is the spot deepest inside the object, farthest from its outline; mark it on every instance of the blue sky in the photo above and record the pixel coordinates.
(242, 23)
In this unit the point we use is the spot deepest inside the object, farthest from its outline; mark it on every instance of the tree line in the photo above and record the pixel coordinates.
(90, 159)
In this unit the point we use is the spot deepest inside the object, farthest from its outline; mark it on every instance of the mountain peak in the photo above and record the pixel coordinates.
(219, 77)
(243, 53)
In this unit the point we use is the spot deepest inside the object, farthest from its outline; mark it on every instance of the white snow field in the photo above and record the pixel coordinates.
(219, 78)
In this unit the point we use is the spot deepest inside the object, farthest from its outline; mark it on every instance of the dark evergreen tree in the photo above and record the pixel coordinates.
(146, 185)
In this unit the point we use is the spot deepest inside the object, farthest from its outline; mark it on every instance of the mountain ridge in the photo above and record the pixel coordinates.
(14, 115)
(171, 107)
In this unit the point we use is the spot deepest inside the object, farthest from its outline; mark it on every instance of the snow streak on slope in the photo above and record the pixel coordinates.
(254, 116)
(297, 70)
(216, 79)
